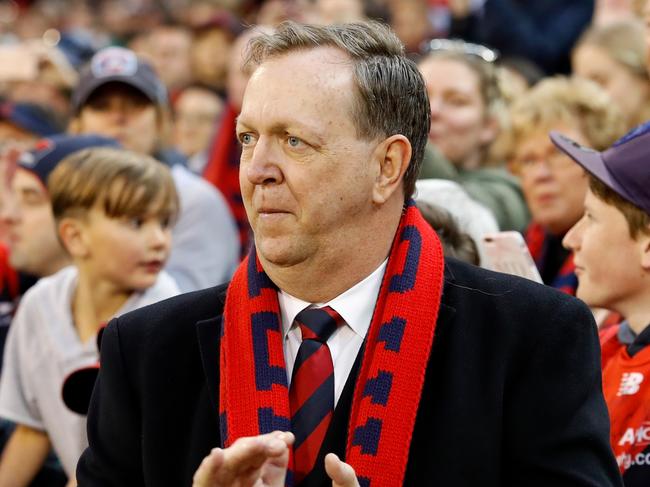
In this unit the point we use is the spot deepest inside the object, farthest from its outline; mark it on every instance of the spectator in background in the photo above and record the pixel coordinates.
(471, 217)
(455, 242)
(33, 72)
(554, 186)
(410, 21)
(32, 243)
(611, 244)
(113, 211)
(613, 56)
(612, 11)
(197, 110)
(120, 96)
(210, 50)
(543, 31)
(222, 168)
(467, 115)
(22, 124)
(168, 46)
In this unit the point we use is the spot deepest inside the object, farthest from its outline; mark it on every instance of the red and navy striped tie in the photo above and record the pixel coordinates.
(311, 395)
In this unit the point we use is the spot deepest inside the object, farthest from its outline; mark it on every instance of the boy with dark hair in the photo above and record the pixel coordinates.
(113, 211)
(611, 244)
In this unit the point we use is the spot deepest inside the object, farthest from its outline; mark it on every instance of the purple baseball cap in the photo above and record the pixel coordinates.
(118, 65)
(624, 167)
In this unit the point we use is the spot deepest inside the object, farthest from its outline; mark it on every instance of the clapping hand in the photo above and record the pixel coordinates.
(261, 461)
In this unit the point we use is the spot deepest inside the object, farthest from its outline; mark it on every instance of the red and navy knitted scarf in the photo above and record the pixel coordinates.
(254, 393)
(222, 170)
(537, 241)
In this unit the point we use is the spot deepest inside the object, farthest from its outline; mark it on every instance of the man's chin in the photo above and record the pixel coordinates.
(278, 253)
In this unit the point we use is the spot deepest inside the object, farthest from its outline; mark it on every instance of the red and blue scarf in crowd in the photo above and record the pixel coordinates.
(538, 241)
(222, 170)
(254, 391)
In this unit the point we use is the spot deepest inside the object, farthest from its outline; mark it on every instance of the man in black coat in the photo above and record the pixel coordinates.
(439, 377)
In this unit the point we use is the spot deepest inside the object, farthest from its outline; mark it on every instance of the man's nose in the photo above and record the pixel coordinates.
(263, 166)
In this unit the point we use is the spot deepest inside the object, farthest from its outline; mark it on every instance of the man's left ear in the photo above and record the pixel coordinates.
(393, 157)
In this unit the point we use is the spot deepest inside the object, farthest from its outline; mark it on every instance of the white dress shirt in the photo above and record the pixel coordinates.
(356, 306)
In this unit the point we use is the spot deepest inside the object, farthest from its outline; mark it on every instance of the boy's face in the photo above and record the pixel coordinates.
(30, 231)
(125, 252)
(608, 261)
(123, 113)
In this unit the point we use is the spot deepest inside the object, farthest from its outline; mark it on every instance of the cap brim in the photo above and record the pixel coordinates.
(96, 83)
(78, 387)
(591, 160)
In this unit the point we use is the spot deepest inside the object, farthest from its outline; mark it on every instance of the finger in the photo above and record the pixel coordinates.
(341, 473)
(275, 470)
(206, 474)
(247, 455)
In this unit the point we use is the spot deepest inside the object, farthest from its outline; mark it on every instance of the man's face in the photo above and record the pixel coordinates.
(607, 259)
(30, 228)
(553, 185)
(305, 175)
(123, 113)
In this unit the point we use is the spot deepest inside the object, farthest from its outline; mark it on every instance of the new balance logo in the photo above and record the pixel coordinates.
(630, 384)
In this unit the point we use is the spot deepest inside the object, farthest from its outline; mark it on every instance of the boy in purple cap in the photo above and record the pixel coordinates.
(611, 245)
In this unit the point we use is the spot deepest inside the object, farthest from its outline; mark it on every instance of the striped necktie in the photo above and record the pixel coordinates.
(311, 395)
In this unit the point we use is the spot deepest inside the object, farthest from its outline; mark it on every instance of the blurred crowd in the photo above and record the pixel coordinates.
(164, 80)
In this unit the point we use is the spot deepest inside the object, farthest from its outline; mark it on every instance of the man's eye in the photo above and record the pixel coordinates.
(245, 139)
(293, 141)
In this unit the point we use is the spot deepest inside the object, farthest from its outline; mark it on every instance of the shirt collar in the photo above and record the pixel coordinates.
(356, 305)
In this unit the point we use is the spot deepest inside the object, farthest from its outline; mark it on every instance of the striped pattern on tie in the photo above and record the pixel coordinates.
(311, 395)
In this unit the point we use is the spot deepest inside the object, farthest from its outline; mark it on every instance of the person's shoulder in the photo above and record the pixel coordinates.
(467, 282)
(491, 304)
(53, 289)
(176, 313)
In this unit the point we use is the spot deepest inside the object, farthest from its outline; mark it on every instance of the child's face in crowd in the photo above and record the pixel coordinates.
(29, 225)
(460, 127)
(127, 252)
(554, 186)
(122, 113)
(608, 260)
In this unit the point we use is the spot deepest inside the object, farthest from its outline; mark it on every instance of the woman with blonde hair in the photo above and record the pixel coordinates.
(613, 55)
